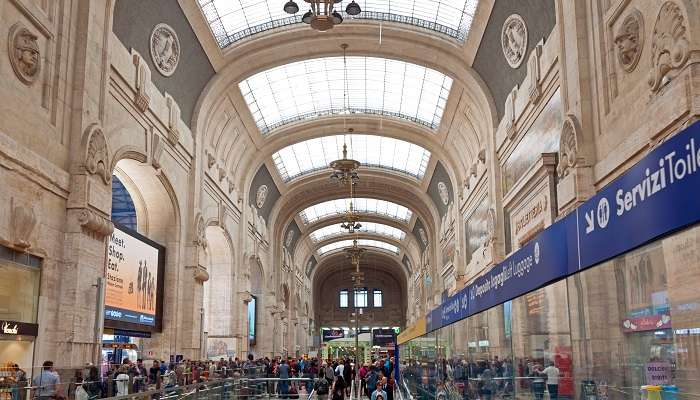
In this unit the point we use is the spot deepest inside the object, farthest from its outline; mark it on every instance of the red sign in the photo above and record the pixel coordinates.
(649, 323)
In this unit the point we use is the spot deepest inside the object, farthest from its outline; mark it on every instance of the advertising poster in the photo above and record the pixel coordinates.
(330, 334)
(132, 278)
(252, 313)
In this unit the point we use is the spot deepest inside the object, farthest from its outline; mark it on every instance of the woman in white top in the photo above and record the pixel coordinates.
(122, 380)
(552, 373)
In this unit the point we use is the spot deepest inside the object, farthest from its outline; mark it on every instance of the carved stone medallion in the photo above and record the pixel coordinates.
(669, 45)
(25, 57)
(630, 40)
(444, 194)
(165, 49)
(514, 40)
(261, 196)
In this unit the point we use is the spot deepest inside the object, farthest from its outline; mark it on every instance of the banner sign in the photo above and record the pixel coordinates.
(383, 337)
(658, 373)
(330, 334)
(657, 196)
(134, 281)
(648, 323)
(16, 328)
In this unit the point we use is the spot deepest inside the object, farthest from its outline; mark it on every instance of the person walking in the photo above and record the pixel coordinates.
(552, 373)
(47, 383)
(283, 375)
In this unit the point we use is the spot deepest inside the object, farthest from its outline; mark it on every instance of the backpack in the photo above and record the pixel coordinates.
(321, 387)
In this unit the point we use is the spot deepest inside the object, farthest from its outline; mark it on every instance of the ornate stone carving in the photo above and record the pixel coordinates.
(25, 57)
(23, 224)
(482, 156)
(514, 40)
(568, 146)
(534, 84)
(669, 45)
(210, 159)
(423, 236)
(200, 274)
(95, 223)
(473, 170)
(156, 151)
(200, 231)
(261, 196)
(143, 78)
(231, 186)
(289, 238)
(490, 227)
(173, 119)
(222, 173)
(165, 49)
(444, 193)
(511, 130)
(97, 154)
(630, 40)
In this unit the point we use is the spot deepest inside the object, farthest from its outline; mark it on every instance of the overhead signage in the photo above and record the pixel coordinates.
(123, 346)
(658, 195)
(134, 279)
(383, 337)
(331, 334)
(16, 328)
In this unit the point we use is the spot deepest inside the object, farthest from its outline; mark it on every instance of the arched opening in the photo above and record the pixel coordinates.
(257, 281)
(218, 321)
(143, 202)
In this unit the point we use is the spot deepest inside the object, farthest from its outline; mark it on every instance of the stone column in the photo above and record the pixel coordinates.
(76, 337)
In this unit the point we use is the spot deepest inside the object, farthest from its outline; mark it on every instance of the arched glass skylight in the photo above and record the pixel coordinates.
(334, 230)
(233, 20)
(311, 88)
(362, 205)
(371, 151)
(361, 242)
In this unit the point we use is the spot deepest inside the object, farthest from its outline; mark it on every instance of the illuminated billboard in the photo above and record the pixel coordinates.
(134, 281)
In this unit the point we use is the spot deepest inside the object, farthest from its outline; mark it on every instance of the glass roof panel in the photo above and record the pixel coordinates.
(360, 242)
(233, 20)
(362, 205)
(334, 230)
(312, 88)
(371, 151)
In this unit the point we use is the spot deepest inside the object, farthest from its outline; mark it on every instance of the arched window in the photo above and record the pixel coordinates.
(123, 210)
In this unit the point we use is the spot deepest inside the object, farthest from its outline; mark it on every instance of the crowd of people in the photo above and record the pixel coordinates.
(286, 378)
(486, 379)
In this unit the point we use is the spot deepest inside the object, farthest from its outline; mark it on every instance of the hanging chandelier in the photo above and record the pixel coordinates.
(345, 169)
(354, 253)
(322, 15)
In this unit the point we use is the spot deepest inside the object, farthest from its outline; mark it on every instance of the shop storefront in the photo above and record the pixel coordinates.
(601, 304)
(20, 275)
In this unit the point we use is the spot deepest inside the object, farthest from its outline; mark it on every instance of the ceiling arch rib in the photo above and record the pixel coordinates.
(379, 229)
(362, 205)
(231, 21)
(345, 243)
(375, 151)
(313, 88)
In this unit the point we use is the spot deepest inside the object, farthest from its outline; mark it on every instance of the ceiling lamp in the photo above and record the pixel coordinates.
(322, 15)
(351, 220)
(345, 169)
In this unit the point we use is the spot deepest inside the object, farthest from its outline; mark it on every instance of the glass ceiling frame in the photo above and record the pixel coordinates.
(308, 89)
(383, 152)
(345, 243)
(332, 208)
(372, 228)
(234, 20)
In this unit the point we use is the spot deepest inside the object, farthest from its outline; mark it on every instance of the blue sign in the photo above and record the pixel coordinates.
(660, 194)
(542, 260)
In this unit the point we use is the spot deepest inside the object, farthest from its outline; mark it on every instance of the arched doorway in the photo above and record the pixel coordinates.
(218, 291)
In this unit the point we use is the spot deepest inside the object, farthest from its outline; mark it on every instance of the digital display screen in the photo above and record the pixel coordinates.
(133, 279)
(252, 329)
